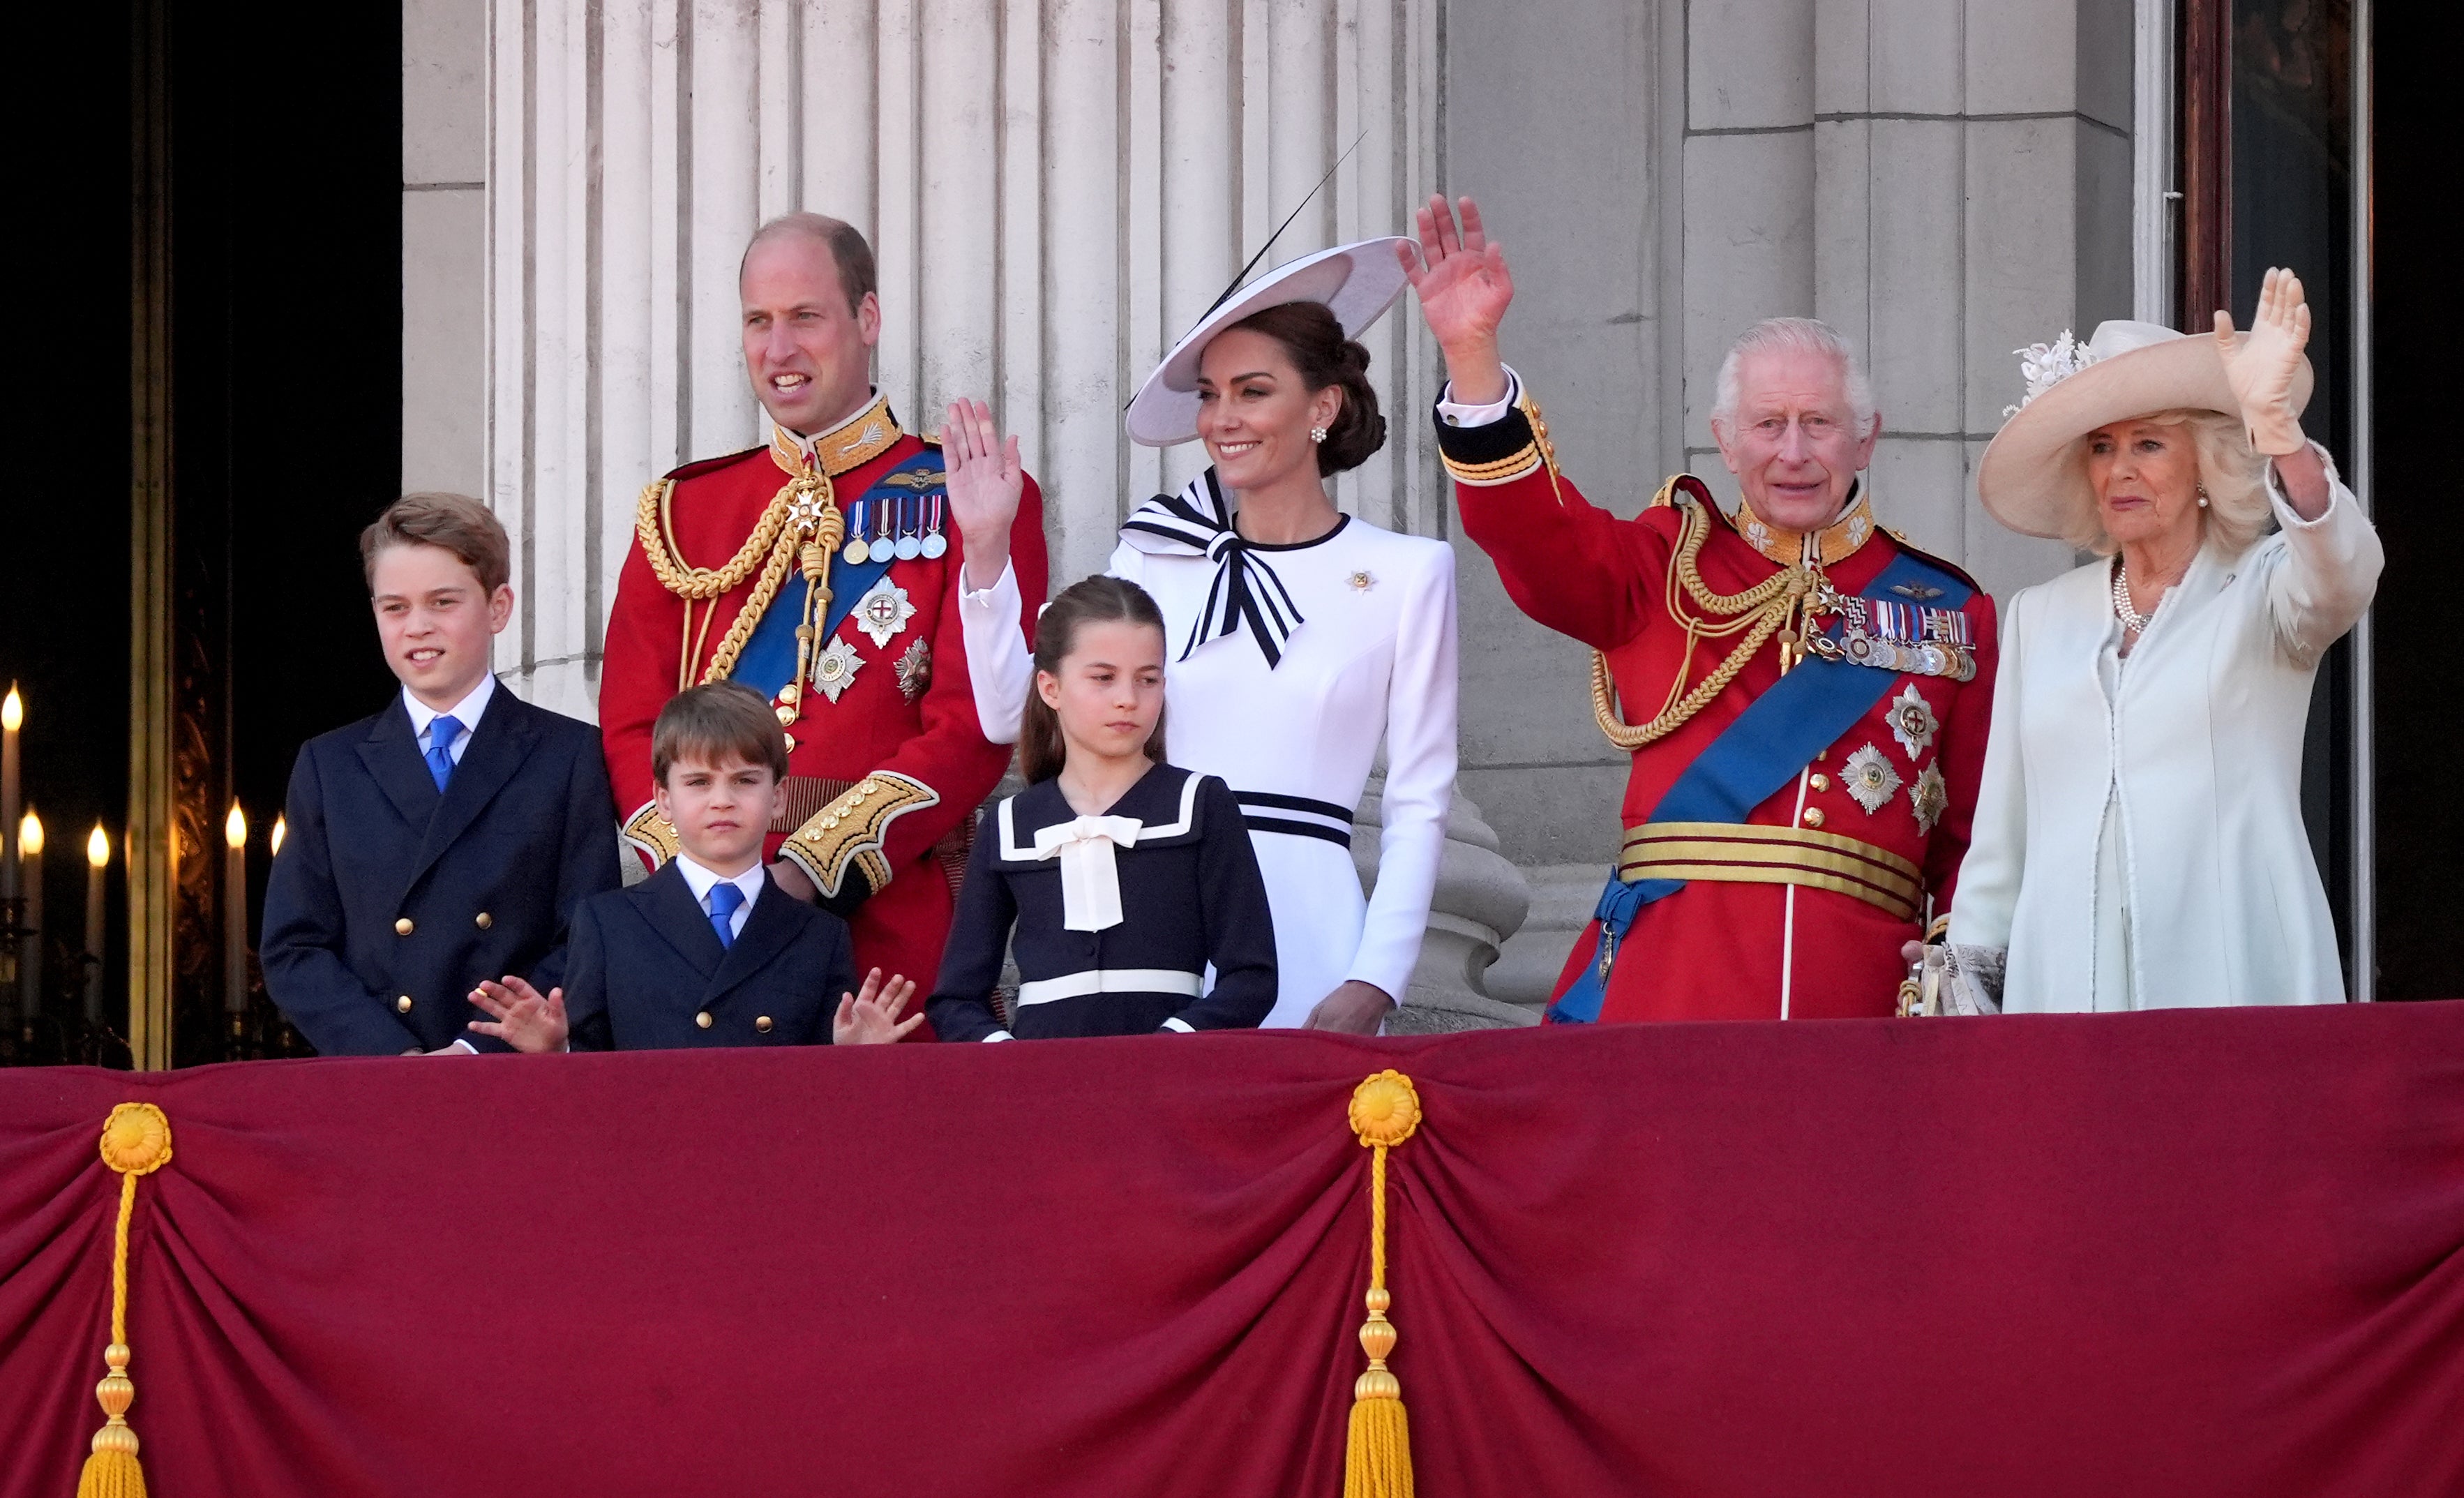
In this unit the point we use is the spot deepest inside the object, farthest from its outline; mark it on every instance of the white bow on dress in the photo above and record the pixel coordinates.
(1090, 885)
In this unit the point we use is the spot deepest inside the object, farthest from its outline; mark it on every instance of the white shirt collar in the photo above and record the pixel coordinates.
(806, 445)
(701, 881)
(465, 712)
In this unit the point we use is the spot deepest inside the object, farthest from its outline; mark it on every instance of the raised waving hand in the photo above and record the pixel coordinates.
(1460, 276)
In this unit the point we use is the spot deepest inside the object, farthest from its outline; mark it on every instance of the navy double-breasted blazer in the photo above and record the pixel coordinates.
(389, 902)
(646, 970)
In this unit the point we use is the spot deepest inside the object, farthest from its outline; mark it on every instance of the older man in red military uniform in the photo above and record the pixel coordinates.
(822, 570)
(1813, 693)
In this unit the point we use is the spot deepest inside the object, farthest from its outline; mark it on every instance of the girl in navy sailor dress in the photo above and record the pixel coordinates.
(1125, 888)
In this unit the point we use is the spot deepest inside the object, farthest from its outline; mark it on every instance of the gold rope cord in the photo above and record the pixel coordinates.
(1759, 612)
(136, 1141)
(1377, 1446)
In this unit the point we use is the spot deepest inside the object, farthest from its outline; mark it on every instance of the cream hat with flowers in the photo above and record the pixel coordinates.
(2034, 477)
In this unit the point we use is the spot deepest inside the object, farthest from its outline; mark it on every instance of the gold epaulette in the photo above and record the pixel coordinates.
(654, 835)
(850, 831)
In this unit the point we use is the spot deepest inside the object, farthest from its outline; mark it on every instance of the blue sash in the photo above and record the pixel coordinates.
(1778, 735)
(768, 660)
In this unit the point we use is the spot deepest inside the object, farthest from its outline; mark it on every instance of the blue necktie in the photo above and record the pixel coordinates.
(724, 898)
(442, 731)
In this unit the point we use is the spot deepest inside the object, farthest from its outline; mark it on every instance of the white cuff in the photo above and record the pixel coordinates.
(999, 1035)
(467, 1048)
(1176, 1024)
(2285, 514)
(999, 668)
(1454, 414)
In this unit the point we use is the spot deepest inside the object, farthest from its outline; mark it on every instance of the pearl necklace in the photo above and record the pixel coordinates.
(2131, 618)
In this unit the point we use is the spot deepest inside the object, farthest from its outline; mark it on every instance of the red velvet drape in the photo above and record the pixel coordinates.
(2174, 1253)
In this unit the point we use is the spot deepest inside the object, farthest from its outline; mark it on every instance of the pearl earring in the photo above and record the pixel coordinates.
(2203, 497)
(1317, 433)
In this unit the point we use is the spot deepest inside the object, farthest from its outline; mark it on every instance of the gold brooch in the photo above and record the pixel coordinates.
(1362, 581)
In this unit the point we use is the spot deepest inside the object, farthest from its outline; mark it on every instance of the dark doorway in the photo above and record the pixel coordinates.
(260, 149)
(2414, 715)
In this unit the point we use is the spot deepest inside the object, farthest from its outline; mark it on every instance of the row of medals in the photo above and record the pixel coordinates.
(890, 537)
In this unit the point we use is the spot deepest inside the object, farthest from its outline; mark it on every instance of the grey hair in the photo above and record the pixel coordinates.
(2230, 469)
(1799, 336)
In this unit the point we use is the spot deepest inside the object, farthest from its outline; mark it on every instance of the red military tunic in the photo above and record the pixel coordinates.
(885, 777)
(1774, 935)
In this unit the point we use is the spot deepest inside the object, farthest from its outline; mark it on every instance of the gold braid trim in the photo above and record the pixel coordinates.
(739, 629)
(852, 830)
(1759, 613)
(654, 835)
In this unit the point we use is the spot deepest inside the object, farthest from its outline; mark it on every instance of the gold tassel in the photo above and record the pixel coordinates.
(1377, 1450)
(136, 1141)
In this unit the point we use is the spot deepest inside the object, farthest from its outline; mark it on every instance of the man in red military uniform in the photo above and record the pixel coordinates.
(820, 570)
(1811, 692)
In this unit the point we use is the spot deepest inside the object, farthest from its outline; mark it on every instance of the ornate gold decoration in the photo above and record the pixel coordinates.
(1723, 852)
(915, 668)
(1929, 796)
(136, 1141)
(1377, 1448)
(852, 830)
(654, 835)
(1834, 543)
(801, 525)
(1770, 607)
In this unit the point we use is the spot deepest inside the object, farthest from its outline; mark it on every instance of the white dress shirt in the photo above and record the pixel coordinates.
(1454, 413)
(701, 881)
(466, 712)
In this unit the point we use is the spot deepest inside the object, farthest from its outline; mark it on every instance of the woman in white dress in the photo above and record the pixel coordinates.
(2139, 840)
(1299, 638)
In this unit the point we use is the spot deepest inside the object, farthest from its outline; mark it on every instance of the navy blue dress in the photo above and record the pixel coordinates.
(1191, 896)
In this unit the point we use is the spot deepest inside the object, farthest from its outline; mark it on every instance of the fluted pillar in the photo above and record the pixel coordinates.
(1054, 191)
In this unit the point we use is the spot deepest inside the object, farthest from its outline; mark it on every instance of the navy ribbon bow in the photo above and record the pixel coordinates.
(1245, 593)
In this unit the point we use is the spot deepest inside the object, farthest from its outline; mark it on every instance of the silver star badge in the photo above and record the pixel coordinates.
(835, 668)
(883, 612)
(1912, 721)
(1868, 776)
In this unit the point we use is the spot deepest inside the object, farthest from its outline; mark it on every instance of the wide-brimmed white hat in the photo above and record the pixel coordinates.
(1356, 282)
(2034, 477)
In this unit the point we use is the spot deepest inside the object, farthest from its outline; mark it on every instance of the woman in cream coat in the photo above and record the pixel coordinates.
(2139, 840)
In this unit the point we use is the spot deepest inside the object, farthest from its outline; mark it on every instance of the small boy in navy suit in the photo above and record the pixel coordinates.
(706, 951)
(448, 839)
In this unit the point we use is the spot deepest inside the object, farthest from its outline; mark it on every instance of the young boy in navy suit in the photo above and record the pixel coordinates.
(706, 951)
(448, 839)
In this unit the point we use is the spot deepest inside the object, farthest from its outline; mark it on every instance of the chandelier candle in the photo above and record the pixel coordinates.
(98, 858)
(235, 912)
(30, 940)
(13, 716)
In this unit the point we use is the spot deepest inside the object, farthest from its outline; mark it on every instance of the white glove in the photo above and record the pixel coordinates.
(2260, 364)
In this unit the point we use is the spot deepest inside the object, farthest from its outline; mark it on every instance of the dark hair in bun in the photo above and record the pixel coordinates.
(1318, 349)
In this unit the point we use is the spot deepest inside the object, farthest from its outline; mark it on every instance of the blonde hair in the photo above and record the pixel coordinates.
(2231, 471)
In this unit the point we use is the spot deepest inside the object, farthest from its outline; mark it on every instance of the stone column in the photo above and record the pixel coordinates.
(1480, 902)
(1054, 191)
